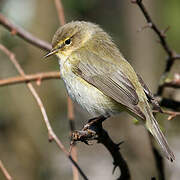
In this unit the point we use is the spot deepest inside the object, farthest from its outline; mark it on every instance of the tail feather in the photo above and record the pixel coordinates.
(153, 127)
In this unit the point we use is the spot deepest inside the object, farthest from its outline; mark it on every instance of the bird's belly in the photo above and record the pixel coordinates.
(89, 97)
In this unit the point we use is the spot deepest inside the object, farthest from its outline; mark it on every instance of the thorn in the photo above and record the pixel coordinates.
(118, 144)
(148, 25)
(70, 148)
(165, 31)
(115, 166)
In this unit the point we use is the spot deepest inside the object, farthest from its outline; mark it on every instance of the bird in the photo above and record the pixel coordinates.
(101, 80)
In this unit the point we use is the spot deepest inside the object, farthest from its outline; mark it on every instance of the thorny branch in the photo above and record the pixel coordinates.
(52, 135)
(174, 83)
(172, 56)
(93, 130)
(103, 137)
(160, 34)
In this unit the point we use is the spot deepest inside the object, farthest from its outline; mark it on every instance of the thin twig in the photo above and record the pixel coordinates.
(4, 171)
(172, 114)
(38, 77)
(172, 55)
(72, 128)
(52, 135)
(15, 30)
(154, 27)
(174, 83)
(170, 61)
(60, 11)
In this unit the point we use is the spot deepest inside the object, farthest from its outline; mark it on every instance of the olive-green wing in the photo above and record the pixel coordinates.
(109, 79)
(150, 95)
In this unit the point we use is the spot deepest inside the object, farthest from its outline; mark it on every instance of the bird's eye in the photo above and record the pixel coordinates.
(68, 41)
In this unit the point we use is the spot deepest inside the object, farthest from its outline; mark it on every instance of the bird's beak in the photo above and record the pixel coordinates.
(53, 51)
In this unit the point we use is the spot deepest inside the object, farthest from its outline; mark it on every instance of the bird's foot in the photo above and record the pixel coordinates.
(89, 132)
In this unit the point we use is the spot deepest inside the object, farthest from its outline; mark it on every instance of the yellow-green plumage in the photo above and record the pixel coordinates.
(99, 78)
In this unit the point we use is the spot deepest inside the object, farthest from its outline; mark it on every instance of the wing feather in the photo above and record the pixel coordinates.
(110, 80)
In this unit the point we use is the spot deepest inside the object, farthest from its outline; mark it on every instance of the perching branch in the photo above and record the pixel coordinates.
(103, 136)
(52, 135)
(93, 130)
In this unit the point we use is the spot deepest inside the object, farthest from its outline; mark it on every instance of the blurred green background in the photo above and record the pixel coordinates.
(24, 146)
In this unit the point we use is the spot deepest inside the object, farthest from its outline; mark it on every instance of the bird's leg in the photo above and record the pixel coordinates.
(100, 118)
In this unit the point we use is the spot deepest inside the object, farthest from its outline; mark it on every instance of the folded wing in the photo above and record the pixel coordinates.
(110, 80)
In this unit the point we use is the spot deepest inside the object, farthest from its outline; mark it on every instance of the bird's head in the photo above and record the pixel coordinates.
(71, 37)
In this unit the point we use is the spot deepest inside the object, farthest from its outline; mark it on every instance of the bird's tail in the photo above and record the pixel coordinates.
(153, 127)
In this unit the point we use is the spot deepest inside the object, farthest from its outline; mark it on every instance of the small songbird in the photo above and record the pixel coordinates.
(100, 79)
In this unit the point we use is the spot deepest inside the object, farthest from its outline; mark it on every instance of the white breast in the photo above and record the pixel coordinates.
(89, 97)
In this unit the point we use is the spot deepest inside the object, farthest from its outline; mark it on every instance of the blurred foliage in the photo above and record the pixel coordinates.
(25, 149)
